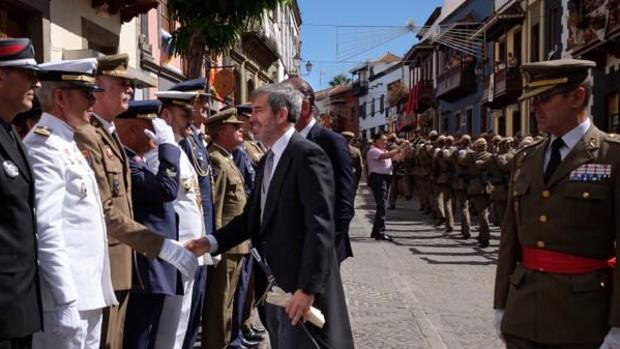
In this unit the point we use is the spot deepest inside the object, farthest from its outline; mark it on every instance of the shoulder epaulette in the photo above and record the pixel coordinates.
(612, 137)
(42, 131)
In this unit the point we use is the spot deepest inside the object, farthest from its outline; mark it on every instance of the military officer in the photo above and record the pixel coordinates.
(247, 157)
(176, 111)
(100, 142)
(194, 146)
(460, 184)
(20, 298)
(152, 194)
(479, 186)
(73, 252)
(555, 287)
(229, 199)
(356, 159)
(437, 201)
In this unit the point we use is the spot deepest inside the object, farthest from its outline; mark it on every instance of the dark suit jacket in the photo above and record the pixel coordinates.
(337, 149)
(20, 299)
(296, 238)
(199, 156)
(152, 196)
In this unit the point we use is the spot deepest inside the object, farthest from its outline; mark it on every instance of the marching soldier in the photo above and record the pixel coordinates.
(438, 201)
(460, 184)
(229, 199)
(555, 285)
(479, 187)
(499, 173)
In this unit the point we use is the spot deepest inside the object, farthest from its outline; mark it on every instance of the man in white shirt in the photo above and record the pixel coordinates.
(73, 254)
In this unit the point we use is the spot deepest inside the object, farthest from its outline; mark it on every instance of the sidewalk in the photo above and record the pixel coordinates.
(424, 290)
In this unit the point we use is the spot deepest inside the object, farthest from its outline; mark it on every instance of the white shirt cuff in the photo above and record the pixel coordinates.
(213, 243)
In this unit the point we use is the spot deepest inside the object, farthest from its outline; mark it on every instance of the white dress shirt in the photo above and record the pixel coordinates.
(308, 127)
(72, 241)
(571, 138)
(108, 126)
(277, 149)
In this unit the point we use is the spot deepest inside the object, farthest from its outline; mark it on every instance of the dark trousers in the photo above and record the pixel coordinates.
(241, 298)
(142, 320)
(380, 186)
(16, 343)
(520, 343)
(282, 335)
(195, 312)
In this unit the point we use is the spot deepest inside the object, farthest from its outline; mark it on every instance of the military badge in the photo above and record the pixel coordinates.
(108, 153)
(42, 131)
(86, 155)
(10, 169)
(591, 173)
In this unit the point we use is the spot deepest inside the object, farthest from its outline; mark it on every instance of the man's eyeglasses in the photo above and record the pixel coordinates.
(546, 97)
(30, 74)
(85, 92)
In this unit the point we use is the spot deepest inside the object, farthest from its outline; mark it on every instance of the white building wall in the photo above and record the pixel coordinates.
(376, 89)
(66, 25)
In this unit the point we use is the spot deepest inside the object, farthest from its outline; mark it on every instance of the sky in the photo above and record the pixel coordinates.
(326, 39)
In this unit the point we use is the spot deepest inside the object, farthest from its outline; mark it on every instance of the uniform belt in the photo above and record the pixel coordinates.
(561, 263)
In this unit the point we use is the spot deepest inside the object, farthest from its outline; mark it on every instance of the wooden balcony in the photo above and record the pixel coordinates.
(426, 96)
(360, 88)
(456, 81)
(508, 87)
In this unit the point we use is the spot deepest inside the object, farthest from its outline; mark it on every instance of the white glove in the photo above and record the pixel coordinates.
(65, 320)
(499, 315)
(163, 133)
(612, 339)
(177, 255)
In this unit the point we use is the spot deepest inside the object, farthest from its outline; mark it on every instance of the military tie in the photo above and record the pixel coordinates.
(555, 159)
(266, 180)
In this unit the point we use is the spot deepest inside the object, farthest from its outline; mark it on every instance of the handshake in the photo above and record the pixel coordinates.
(184, 256)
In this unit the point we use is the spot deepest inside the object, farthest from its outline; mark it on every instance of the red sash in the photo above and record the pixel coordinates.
(562, 263)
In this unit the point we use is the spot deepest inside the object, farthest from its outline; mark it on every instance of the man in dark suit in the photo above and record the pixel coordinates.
(20, 299)
(337, 149)
(289, 218)
(152, 195)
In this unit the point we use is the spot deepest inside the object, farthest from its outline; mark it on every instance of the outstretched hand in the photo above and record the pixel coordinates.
(198, 246)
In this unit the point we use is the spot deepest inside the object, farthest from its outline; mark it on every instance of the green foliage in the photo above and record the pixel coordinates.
(213, 24)
(340, 79)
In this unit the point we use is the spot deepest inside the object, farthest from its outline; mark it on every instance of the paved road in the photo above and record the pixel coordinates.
(424, 290)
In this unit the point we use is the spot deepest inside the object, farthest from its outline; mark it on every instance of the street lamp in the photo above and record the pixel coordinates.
(297, 63)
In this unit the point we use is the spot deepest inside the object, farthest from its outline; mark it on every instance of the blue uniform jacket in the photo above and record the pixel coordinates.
(152, 196)
(199, 157)
(243, 162)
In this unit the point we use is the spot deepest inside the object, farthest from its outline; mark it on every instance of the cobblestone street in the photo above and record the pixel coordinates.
(424, 290)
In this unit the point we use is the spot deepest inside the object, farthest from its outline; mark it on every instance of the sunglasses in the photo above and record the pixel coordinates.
(85, 92)
(546, 97)
(29, 74)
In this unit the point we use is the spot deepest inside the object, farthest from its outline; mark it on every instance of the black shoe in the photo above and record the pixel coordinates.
(392, 207)
(252, 336)
(383, 237)
(249, 344)
(465, 236)
(484, 243)
(449, 230)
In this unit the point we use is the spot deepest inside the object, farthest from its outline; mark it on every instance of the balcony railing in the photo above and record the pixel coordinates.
(456, 81)
(359, 88)
(508, 87)
(426, 96)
